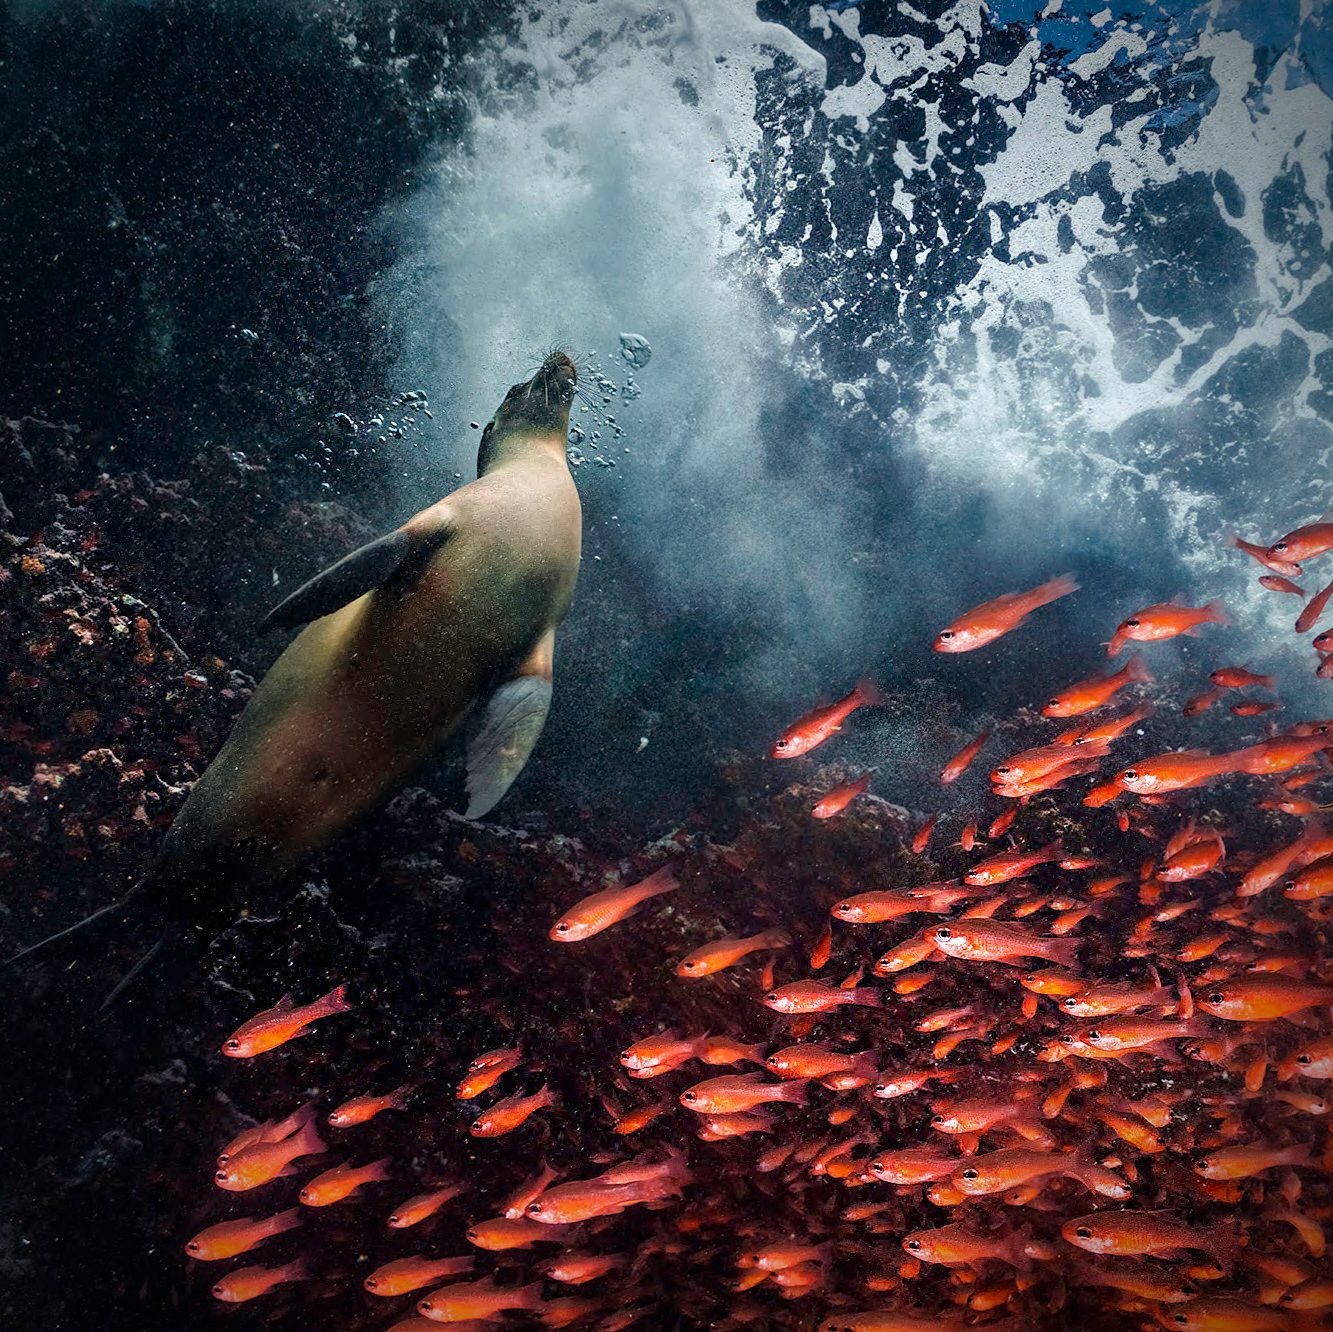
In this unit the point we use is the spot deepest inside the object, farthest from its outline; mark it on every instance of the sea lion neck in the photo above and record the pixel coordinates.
(518, 446)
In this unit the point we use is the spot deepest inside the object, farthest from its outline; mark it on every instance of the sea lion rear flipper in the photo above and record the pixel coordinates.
(366, 568)
(510, 726)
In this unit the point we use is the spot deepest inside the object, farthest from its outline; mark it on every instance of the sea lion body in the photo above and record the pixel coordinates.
(368, 692)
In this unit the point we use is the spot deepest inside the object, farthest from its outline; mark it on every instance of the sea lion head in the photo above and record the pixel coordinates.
(536, 409)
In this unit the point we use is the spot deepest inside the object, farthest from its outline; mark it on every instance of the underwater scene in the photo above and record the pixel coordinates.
(666, 664)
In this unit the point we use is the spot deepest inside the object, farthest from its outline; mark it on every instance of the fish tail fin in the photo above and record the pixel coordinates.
(381, 1169)
(796, 1091)
(1137, 671)
(310, 1142)
(1063, 952)
(1055, 588)
(775, 939)
(1221, 1244)
(1217, 613)
(866, 998)
(869, 693)
(663, 880)
(336, 1001)
(287, 1220)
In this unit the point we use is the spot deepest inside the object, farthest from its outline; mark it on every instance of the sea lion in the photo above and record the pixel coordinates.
(453, 613)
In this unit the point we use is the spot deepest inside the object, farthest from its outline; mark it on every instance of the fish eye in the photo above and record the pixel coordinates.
(772, 1061)
(534, 1209)
(233, 1044)
(688, 1097)
(969, 1174)
(472, 1235)
(1070, 1002)
(1053, 702)
(221, 1174)
(947, 633)
(1181, 1320)
(1303, 1059)
(395, 1219)
(192, 1247)
(1084, 1232)
(372, 1284)
(1280, 545)
(217, 1291)
(937, 1119)
(1132, 624)
(770, 997)
(1094, 1034)
(562, 927)
(304, 1195)
(1068, 1038)
(944, 932)
(477, 1124)
(914, 1245)
(1216, 997)
(782, 744)
(1129, 775)
(1004, 768)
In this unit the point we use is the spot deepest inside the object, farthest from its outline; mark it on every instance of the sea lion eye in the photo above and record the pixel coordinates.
(1216, 997)
(969, 1174)
(1083, 1232)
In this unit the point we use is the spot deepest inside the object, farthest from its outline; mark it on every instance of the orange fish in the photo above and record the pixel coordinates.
(876, 907)
(279, 1024)
(505, 1116)
(1269, 561)
(962, 760)
(921, 839)
(662, 1052)
(1240, 677)
(914, 1165)
(739, 1093)
(516, 1204)
(477, 1299)
(1227, 1313)
(812, 996)
(408, 1274)
(996, 1172)
(840, 797)
(1164, 620)
(1262, 998)
(1000, 941)
(958, 1246)
(274, 1130)
(1200, 703)
(598, 911)
(586, 1199)
(1177, 771)
(1250, 1159)
(1303, 544)
(502, 1233)
(1276, 583)
(723, 953)
(576, 1269)
(992, 619)
(228, 1238)
(1096, 691)
(1124, 1233)
(264, 1161)
(362, 1108)
(1011, 865)
(820, 723)
(486, 1070)
(342, 1181)
(422, 1205)
(1312, 881)
(248, 1283)
(1107, 1000)
(814, 1061)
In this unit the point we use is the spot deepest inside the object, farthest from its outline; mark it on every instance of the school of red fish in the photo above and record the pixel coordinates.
(1068, 1072)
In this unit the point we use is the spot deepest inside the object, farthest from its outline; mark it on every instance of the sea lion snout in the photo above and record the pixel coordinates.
(559, 366)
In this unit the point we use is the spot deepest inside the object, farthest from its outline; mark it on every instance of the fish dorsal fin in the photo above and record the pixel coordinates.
(365, 569)
(284, 1004)
(511, 724)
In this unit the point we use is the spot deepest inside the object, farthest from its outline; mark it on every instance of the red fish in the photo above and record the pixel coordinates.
(507, 1115)
(342, 1181)
(1314, 608)
(992, 619)
(261, 1162)
(229, 1238)
(962, 760)
(1177, 772)
(362, 1108)
(1129, 1234)
(723, 953)
(248, 1283)
(1268, 560)
(1164, 620)
(820, 723)
(1000, 941)
(1263, 998)
(281, 1023)
(408, 1274)
(1011, 865)
(1276, 583)
(840, 797)
(1096, 691)
(598, 911)
(422, 1205)
(478, 1299)
(1304, 543)
(812, 996)
(1240, 677)
(737, 1094)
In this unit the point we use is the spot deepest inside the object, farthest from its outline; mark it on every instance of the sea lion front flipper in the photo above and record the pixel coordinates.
(366, 568)
(510, 726)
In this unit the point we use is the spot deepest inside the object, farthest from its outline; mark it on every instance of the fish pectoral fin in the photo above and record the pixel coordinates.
(504, 741)
(365, 569)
